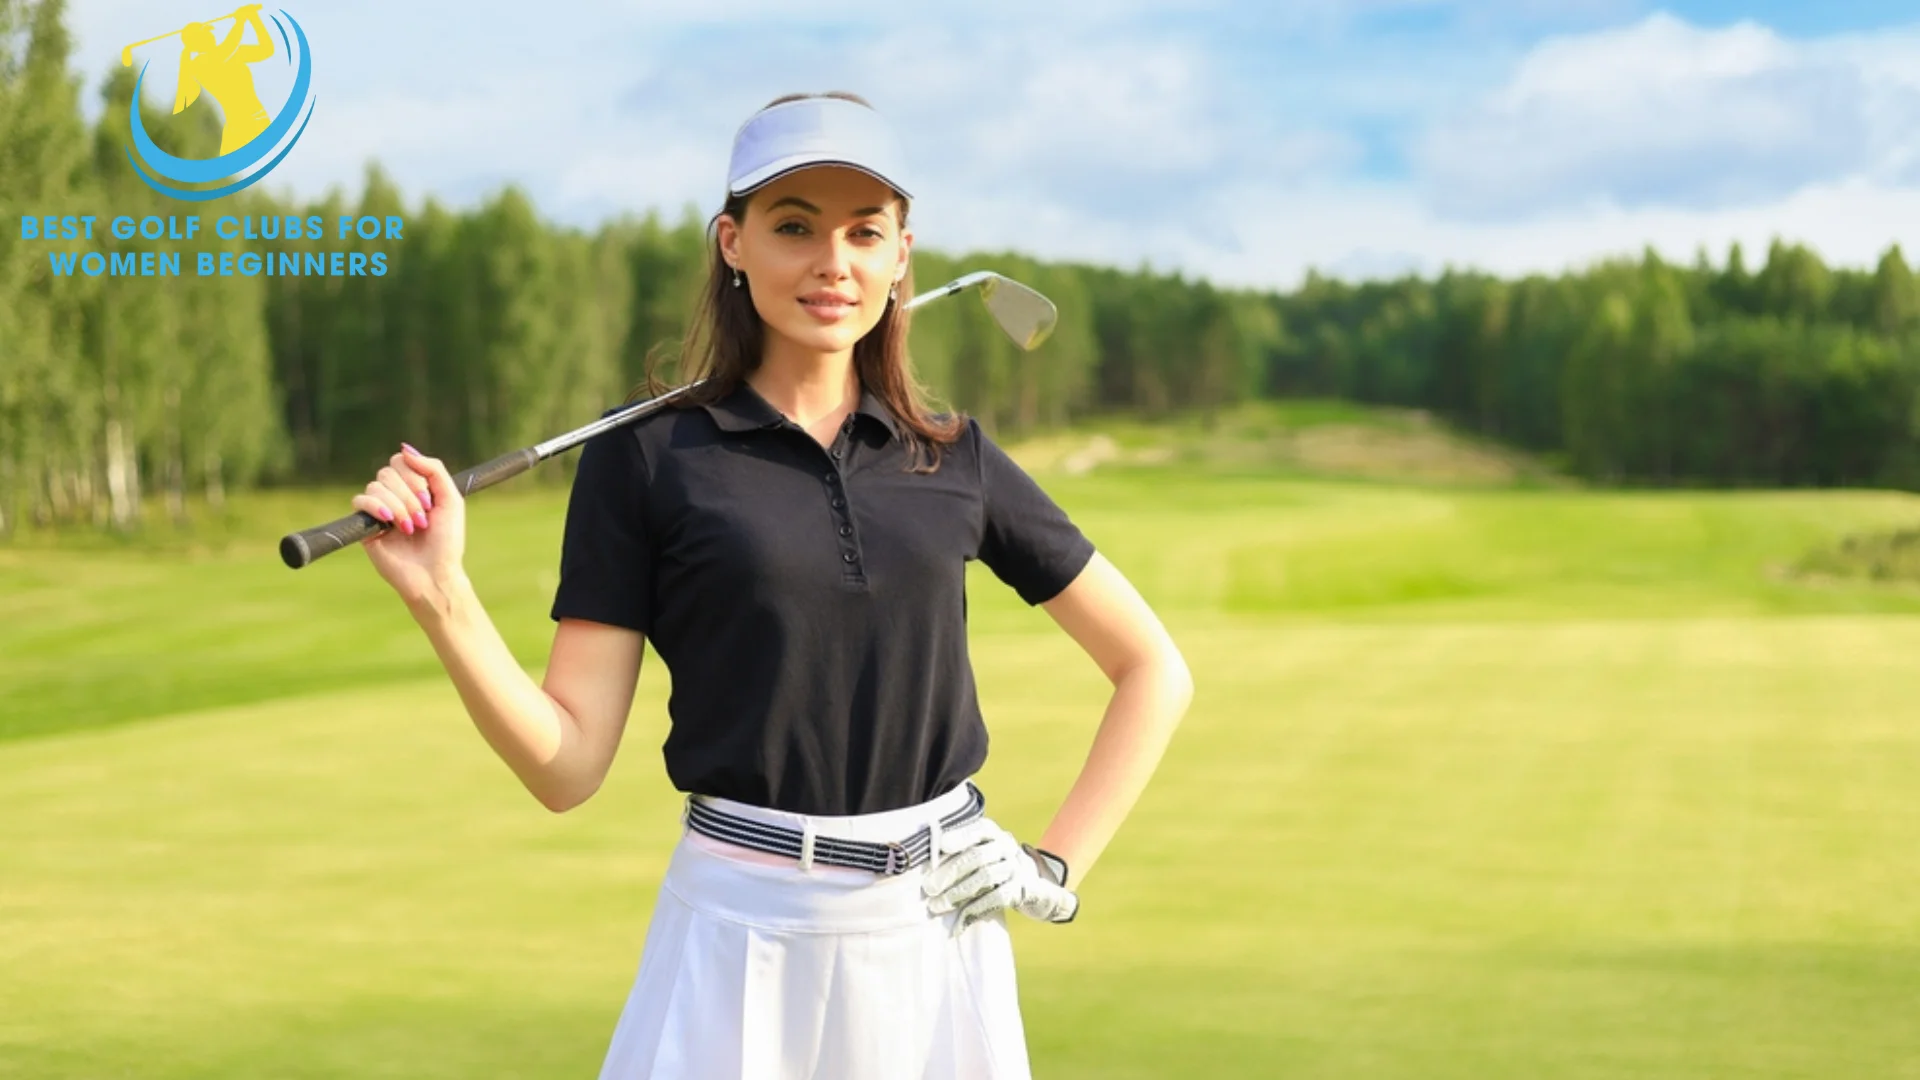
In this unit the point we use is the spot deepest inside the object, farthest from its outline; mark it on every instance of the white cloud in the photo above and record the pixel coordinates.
(1384, 230)
(1666, 114)
(1156, 130)
(1132, 107)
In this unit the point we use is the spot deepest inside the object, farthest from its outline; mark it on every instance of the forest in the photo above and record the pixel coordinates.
(489, 327)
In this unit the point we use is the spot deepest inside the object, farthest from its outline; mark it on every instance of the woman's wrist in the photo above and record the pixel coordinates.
(440, 599)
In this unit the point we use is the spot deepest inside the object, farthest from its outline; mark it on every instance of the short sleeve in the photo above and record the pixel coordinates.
(1027, 540)
(606, 561)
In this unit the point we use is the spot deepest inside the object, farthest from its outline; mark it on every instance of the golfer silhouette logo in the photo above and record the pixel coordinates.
(218, 66)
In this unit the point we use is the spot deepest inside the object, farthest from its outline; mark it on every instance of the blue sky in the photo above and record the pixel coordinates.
(1241, 142)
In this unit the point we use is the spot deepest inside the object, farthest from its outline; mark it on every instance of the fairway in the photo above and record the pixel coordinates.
(1477, 783)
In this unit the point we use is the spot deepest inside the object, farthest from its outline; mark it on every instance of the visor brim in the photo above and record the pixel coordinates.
(766, 174)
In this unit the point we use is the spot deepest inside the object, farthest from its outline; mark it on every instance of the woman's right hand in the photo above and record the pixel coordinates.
(416, 496)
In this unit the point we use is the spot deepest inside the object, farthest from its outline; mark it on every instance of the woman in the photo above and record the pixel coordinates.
(794, 543)
(222, 70)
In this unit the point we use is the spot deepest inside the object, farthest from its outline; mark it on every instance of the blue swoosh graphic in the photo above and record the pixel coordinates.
(191, 171)
(219, 192)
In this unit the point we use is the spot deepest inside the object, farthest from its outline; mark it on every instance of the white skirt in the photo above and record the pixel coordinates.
(757, 969)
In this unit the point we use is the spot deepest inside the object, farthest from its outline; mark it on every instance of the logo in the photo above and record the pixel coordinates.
(218, 65)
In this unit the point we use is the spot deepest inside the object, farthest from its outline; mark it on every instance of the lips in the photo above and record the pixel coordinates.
(828, 306)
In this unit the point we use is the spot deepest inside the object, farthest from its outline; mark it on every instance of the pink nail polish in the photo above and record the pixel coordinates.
(406, 525)
(426, 499)
(383, 514)
(408, 447)
(420, 519)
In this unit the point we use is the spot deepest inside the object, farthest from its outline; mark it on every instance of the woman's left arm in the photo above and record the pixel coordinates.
(1107, 616)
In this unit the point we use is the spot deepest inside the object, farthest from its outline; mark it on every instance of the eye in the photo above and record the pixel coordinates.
(791, 227)
(870, 231)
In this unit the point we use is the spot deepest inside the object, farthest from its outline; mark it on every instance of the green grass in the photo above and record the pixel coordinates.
(1303, 438)
(110, 631)
(1478, 783)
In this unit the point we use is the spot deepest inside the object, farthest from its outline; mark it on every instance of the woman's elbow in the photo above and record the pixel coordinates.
(562, 797)
(561, 802)
(1166, 672)
(1179, 681)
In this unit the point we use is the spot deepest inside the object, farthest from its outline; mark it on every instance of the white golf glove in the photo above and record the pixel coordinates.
(984, 870)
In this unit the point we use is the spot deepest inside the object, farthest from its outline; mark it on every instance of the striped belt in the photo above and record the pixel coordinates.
(886, 858)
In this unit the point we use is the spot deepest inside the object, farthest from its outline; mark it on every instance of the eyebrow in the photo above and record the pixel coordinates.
(795, 200)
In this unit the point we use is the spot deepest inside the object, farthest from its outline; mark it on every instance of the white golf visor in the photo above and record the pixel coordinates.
(815, 131)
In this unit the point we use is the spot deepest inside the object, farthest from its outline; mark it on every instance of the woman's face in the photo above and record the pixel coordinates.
(820, 248)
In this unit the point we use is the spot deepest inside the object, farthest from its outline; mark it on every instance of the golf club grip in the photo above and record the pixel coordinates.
(301, 548)
(488, 473)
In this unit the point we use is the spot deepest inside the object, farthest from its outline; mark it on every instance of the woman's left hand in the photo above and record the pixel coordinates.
(983, 870)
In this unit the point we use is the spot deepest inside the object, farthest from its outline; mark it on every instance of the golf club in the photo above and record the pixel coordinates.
(1023, 314)
(126, 51)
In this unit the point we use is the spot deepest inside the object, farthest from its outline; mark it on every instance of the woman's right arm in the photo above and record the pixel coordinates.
(558, 737)
(262, 46)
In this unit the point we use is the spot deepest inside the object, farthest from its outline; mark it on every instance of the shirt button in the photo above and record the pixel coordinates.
(838, 453)
(838, 503)
(831, 478)
(846, 530)
(846, 556)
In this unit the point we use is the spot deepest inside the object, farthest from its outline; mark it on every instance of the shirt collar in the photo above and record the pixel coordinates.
(871, 405)
(745, 410)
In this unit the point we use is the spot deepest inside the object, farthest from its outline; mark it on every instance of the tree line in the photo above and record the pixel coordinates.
(1640, 371)
(493, 328)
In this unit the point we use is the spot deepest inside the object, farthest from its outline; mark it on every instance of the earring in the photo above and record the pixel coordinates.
(893, 294)
(736, 277)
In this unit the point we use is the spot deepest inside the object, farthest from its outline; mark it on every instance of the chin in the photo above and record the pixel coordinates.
(825, 339)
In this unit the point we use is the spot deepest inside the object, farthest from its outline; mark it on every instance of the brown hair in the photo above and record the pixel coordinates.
(723, 343)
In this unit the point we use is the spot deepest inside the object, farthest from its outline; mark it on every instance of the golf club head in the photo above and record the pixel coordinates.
(1025, 315)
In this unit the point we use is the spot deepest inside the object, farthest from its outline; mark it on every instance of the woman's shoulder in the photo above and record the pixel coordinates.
(642, 440)
(966, 443)
(967, 432)
(656, 426)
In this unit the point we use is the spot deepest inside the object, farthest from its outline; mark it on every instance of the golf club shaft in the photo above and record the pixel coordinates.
(302, 548)
(126, 51)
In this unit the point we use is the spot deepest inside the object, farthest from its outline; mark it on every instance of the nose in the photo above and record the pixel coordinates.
(835, 257)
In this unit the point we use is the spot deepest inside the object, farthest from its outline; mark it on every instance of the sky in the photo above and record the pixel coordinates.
(1245, 143)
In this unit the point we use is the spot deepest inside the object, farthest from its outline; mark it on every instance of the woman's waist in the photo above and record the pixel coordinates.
(884, 826)
(844, 874)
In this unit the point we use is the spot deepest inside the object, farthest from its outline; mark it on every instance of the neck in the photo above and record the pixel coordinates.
(806, 386)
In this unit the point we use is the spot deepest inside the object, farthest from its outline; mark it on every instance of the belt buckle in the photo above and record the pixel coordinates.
(896, 859)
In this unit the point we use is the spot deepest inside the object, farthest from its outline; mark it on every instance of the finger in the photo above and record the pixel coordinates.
(371, 504)
(382, 503)
(942, 877)
(417, 480)
(406, 487)
(392, 504)
(986, 906)
(439, 482)
(1061, 903)
(972, 887)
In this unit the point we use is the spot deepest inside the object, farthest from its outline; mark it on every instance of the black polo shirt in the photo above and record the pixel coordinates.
(810, 603)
